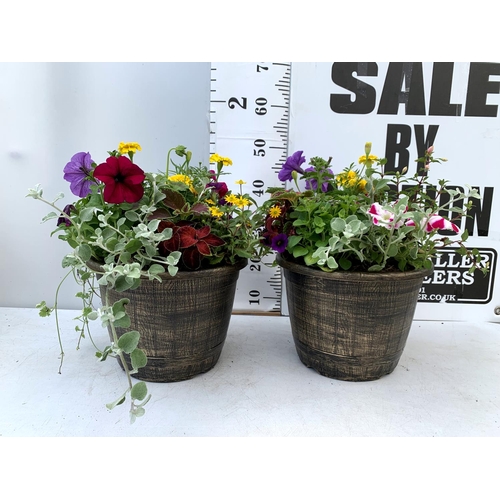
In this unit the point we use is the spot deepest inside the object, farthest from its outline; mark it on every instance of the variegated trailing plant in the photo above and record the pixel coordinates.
(138, 225)
(364, 218)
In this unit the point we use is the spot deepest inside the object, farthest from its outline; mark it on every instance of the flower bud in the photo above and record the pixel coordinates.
(368, 148)
(188, 156)
(404, 170)
(430, 150)
(180, 150)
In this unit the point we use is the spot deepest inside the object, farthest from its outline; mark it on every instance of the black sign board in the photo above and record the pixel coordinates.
(451, 283)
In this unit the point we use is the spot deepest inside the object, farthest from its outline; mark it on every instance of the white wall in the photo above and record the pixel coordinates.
(48, 112)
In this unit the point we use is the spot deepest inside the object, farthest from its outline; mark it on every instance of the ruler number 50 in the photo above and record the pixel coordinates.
(260, 101)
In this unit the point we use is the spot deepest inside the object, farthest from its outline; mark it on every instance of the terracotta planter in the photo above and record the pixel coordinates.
(349, 325)
(183, 320)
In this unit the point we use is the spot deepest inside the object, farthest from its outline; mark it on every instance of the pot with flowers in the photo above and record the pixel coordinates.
(355, 246)
(162, 251)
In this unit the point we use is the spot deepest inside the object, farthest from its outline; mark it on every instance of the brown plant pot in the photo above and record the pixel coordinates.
(183, 320)
(350, 325)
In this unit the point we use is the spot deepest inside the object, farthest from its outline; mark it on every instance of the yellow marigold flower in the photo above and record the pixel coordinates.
(128, 147)
(362, 184)
(216, 212)
(210, 202)
(231, 198)
(240, 182)
(215, 158)
(367, 158)
(275, 211)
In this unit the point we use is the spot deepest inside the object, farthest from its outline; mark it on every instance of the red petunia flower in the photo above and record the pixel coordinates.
(122, 178)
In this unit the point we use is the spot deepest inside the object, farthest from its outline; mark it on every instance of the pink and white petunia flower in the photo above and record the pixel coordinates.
(382, 217)
(438, 222)
(435, 222)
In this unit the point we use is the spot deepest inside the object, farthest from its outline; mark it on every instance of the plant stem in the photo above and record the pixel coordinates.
(115, 342)
(57, 318)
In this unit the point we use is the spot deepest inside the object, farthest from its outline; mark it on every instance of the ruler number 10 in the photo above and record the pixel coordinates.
(260, 101)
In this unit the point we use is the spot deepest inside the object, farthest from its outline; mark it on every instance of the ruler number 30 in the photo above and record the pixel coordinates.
(260, 101)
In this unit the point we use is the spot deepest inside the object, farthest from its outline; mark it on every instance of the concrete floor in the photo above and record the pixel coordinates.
(446, 384)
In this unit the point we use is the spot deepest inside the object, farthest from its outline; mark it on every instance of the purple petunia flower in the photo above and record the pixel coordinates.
(313, 183)
(279, 243)
(64, 220)
(292, 163)
(77, 173)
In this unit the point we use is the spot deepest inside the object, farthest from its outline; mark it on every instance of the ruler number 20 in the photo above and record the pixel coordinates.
(260, 101)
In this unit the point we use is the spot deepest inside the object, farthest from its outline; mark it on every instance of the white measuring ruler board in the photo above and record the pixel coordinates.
(249, 119)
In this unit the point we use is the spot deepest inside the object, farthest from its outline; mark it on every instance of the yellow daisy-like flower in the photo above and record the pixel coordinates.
(231, 198)
(240, 182)
(181, 178)
(185, 180)
(367, 158)
(210, 202)
(215, 158)
(347, 179)
(275, 211)
(128, 147)
(362, 184)
(243, 202)
(216, 212)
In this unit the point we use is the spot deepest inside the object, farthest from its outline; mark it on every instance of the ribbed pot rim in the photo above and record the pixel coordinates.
(185, 275)
(352, 275)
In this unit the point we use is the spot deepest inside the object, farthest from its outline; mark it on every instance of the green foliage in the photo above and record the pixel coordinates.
(365, 219)
(120, 245)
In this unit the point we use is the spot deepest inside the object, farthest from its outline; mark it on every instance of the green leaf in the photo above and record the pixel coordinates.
(156, 269)
(139, 391)
(122, 284)
(128, 341)
(393, 251)
(338, 225)
(293, 240)
(345, 264)
(132, 216)
(125, 257)
(133, 245)
(87, 214)
(84, 252)
(138, 359)
(51, 215)
(299, 251)
(119, 401)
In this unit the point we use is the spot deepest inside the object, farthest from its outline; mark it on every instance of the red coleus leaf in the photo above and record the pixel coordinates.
(187, 235)
(199, 208)
(213, 241)
(203, 248)
(204, 231)
(122, 180)
(174, 199)
(191, 258)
